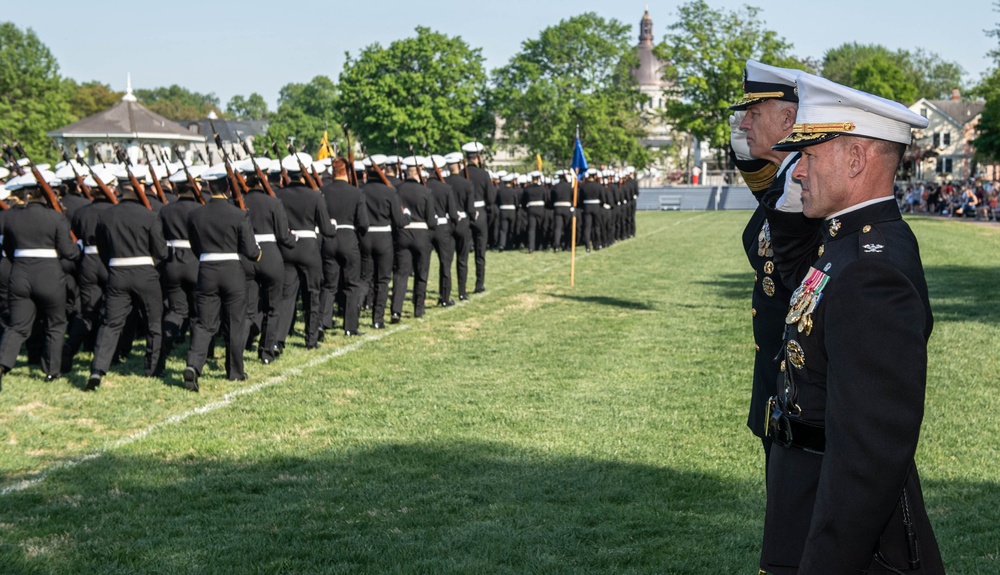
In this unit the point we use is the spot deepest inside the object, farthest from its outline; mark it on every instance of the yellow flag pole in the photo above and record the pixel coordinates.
(572, 237)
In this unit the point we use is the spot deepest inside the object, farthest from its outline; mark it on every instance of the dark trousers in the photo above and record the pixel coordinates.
(561, 225)
(92, 280)
(221, 288)
(508, 219)
(36, 286)
(265, 281)
(535, 217)
(124, 284)
(479, 238)
(303, 267)
(463, 244)
(379, 246)
(179, 277)
(413, 256)
(342, 271)
(443, 241)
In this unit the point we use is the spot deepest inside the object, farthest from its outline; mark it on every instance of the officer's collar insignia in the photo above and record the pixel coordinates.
(834, 227)
(805, 299)
(873, 248)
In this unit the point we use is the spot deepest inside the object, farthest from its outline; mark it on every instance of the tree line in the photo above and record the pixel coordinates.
(432, 91)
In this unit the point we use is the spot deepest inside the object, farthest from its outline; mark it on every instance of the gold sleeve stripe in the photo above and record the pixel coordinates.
(761, 179)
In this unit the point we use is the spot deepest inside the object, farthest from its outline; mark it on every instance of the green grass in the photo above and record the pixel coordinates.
(537, 428)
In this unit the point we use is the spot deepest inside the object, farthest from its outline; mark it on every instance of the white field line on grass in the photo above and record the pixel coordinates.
(228, 398)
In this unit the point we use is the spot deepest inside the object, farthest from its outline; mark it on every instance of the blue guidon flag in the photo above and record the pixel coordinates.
(579, 160)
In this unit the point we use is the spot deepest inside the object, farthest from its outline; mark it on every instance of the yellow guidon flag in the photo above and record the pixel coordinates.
(538, 162)
(325, 148)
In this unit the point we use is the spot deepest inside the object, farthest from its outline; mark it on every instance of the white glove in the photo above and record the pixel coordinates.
(791, 199)
(737, 137)
(607, 206)
(406, 211)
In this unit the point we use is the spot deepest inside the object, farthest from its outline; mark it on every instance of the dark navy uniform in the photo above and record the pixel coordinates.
(508, 197)
(220, 233)
(384, 216)
(533, 199)
(36, 238)
(413, 247)
(179, 272)
(265, 276)
(463, 230)
(592, 195)
(482, 188)
(563, 209)
(443, 239)
(342, 254)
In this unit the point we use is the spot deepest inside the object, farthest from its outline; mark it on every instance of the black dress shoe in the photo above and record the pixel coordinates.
(479, 289)
(191, 378)
(93, 382)
(396, 318)
(446, 303)
(463, 297)
(417, 314)
(51, 377)
(354, 333)
(378, 325)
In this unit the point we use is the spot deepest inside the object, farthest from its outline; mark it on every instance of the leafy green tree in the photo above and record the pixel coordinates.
(90, 98)
(177, 103)
(707, 49)
(305, 111)
(253, 107)
(32, 96)
(426, 89)
(576, 73)
(902, 75)
(987, 141)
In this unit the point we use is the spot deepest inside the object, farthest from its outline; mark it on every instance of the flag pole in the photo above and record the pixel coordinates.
(572, 236)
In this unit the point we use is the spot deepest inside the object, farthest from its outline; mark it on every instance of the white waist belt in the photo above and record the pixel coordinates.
(345, 227)
(380, 228)
(508, 207)
(463, 215)
(479, 204)
(227, 257)
(416, 226)
(263, 238)
(591, 201)
(90, 250)
(133, 261)
(179, 244)
(536, 204)
(442, 221)
(563, 204)
(299, 234)
(36, 253)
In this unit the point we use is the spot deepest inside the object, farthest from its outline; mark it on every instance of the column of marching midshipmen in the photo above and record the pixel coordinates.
(206, 267)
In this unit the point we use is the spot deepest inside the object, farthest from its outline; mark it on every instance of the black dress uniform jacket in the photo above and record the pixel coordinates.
(858, 372)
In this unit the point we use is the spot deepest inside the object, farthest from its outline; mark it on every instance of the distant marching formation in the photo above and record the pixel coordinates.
(97, 255)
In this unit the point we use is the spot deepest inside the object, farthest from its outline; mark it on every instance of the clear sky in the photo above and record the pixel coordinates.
(206, 45)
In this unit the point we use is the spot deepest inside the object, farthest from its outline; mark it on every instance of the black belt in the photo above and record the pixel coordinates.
(790, 431)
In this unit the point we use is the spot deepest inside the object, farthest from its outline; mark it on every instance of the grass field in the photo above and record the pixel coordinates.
(537, 428)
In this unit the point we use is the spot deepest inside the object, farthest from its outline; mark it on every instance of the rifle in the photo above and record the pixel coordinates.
(437, 170)
(152, 174)
(191, 181)
(201, 158)
(237, 182)
(352, 176)
(100, 183)
(11, 159)
(46, 188)
(378, 169)
(260, 173)
(285, 178)
(302, 167)
(420, 169)
(140, 190)
(84, 188)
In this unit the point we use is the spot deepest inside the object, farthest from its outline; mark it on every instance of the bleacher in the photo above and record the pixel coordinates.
(696, 198)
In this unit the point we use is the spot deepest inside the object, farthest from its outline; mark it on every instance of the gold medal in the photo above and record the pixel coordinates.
(796, 356)
(822, 248)
(769, 267)
(768, 285)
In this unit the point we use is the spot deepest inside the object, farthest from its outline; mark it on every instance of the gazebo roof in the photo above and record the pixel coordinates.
(128, 119)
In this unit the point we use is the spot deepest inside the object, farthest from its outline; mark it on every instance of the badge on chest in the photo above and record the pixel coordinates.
(805, 299)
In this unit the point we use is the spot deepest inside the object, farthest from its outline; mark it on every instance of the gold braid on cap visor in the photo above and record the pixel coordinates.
(761, 95)
(808, 132)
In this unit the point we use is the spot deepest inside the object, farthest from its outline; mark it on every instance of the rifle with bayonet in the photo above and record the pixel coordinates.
(236, 180)
(420, 168)
(302, 167)
(191, 181)
(50, 195)
(154, 175)
(140, 189)
(84, 188)
(352, 175)
(260, 173)
(110, 195)
(377, 168)
(285, 178)
(437, 170)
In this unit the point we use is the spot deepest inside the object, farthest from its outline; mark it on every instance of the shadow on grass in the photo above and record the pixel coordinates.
(963, 293)
(737, 286)
(468, 508)
(605, 300)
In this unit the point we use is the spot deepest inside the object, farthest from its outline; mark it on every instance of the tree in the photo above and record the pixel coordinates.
(32, 96)
(427, 89)
(576, 73)
(177, 103)
(253, 107)
(305, 111)
(707, 50)
(987, 140)
(90, 98)
(901, 76)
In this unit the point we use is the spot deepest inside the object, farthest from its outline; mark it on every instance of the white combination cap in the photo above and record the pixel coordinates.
(453, 158)
(763, 82)
(294, 163)
(215, 172)
(473, 148)
(28, 180)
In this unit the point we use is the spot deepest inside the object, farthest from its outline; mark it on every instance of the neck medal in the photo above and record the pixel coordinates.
(764, 242)
(805, 299)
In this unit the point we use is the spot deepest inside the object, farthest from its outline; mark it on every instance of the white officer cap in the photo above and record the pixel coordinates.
(413, 161)
(389, 159)
(65, 171)
(534, 174)
(106, 176)
(4, 172)
(501, 173)
(592, 171)
(453, 158)
(246, 165)
(359, 166)
(196, 172)
(508, 177)
(473, 148)
(28, 180)
(44, 167)
(630, 169)
(320, 167)
(434, 160)
(827, 110)
(215, 172)
(377, 159)
(140, 172)
(522, 180)
(4, 192)
(292, 163)
(762, 82)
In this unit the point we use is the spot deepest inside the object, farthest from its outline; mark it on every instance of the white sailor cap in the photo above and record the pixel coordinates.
(501, 173)
(359, 166)
(215, 172)
(106, 176)
(28, 180)
(65, 170)
(246, 165)
(473, 148)
(413, 161)
(4, 172)
(508, 177)
(534, 174)
(378, 159)
(320, 167)
(592, 171)
(4, 192)
(762, 82)
(295, 163)
(44, 167)
(453, 158)
(196, 172)
(630, 169)
(827, 110)
(140, 171)
(522, 180)
(434, 160)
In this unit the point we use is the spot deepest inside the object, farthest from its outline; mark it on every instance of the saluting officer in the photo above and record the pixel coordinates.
(342, 256)
(843, 493)
(443, 238)
(413, 242)
(220, 233)
(130, 242)
(36, 238)
(482, 188)
(463, 227)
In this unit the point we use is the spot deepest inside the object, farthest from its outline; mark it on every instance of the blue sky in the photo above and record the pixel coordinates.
(201, 45)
